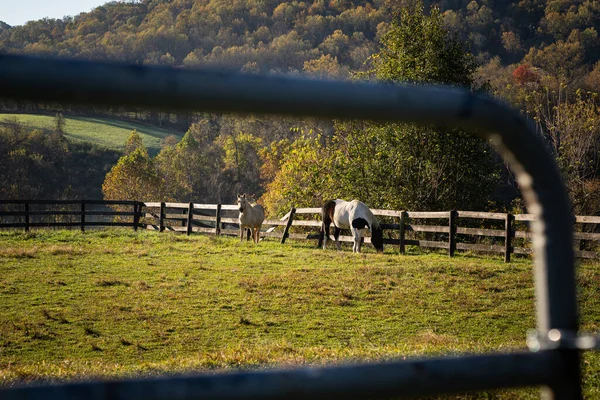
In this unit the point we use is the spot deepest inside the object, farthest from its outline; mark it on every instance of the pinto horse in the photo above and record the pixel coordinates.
(251, 217)
(353, 215)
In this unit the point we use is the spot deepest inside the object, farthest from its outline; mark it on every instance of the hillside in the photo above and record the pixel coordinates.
(104, 132)
(314, 36)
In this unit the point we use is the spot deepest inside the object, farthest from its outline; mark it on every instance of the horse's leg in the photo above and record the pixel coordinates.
(360, 239)
(355, 239)
(336, 234)
(324, 234)
(248, 234)
(321, 237)
(326, 213)
(242, 230)
(258, 234)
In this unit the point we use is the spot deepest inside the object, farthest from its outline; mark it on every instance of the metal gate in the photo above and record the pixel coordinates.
(553, 363)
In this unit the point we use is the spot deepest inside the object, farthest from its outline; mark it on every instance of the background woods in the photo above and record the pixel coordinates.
(541, 56)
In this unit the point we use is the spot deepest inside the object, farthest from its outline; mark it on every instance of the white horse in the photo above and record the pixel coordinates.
(353, 215)
(251, 217)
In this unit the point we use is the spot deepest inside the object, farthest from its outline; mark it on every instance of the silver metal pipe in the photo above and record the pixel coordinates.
(72, 81)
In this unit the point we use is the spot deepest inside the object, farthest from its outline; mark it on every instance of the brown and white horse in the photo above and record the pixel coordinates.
(251, 217)
(353, 215)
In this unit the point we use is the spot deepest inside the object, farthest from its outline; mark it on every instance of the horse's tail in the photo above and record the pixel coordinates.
(326, 218)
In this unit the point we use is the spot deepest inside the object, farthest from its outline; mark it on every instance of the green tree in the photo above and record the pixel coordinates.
(418, 48)
(402, 165)
(182, 168)
(419, 167)
(242, 161)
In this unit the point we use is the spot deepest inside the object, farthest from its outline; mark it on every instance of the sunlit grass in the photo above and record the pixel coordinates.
(105, 132)
(117, 303)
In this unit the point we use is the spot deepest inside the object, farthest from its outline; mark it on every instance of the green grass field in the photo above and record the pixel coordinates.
(105, 132)
(118, 303)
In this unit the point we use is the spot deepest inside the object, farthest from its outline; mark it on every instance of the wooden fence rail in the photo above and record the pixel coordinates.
(401, 228)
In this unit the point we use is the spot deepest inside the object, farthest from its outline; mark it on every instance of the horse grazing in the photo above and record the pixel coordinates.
(251, 217)
(353, 215)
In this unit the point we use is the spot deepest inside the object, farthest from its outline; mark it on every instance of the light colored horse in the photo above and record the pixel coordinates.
(251, 217)
(353, 215)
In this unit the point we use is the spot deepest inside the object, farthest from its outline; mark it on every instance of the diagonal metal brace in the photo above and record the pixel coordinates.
(561, 339)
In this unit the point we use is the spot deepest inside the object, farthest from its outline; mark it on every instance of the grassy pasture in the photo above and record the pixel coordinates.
(105, 132)
(116, 303)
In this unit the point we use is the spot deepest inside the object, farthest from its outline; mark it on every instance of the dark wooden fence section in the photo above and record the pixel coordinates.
(449, 230)
(80, 214)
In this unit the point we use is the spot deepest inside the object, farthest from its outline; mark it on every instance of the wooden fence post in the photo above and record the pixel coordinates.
(288, 225)
(161, 220)
(82, 215)
(190, 219)
(508, 237)
(403, 218)
(137, 211)
(26, 204)
(218, 220)
(452, 232)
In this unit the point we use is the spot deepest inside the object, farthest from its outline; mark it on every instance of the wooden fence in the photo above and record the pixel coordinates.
(450, 230)
(28, 214)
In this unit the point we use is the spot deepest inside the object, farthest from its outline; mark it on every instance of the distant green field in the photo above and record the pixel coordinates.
(117, 303)
(105, 132)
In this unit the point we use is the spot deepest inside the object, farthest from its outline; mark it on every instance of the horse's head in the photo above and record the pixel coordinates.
(242, 202)
(377, 238)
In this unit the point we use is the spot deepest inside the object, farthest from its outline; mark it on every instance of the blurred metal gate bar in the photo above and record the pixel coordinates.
(30, 78)
(424, 377)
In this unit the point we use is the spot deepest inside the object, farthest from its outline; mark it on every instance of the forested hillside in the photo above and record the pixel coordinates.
(540, 55)
(313, 36)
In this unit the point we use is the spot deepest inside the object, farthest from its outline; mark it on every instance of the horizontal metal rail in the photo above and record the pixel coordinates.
(39, 79)
(412, 377)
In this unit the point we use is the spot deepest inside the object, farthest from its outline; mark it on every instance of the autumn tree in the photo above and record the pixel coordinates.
(134, 142)
(524, 74)
(303, 178)
(134, 177)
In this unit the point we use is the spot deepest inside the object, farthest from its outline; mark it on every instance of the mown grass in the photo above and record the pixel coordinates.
(106, 132)
(119, 303)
